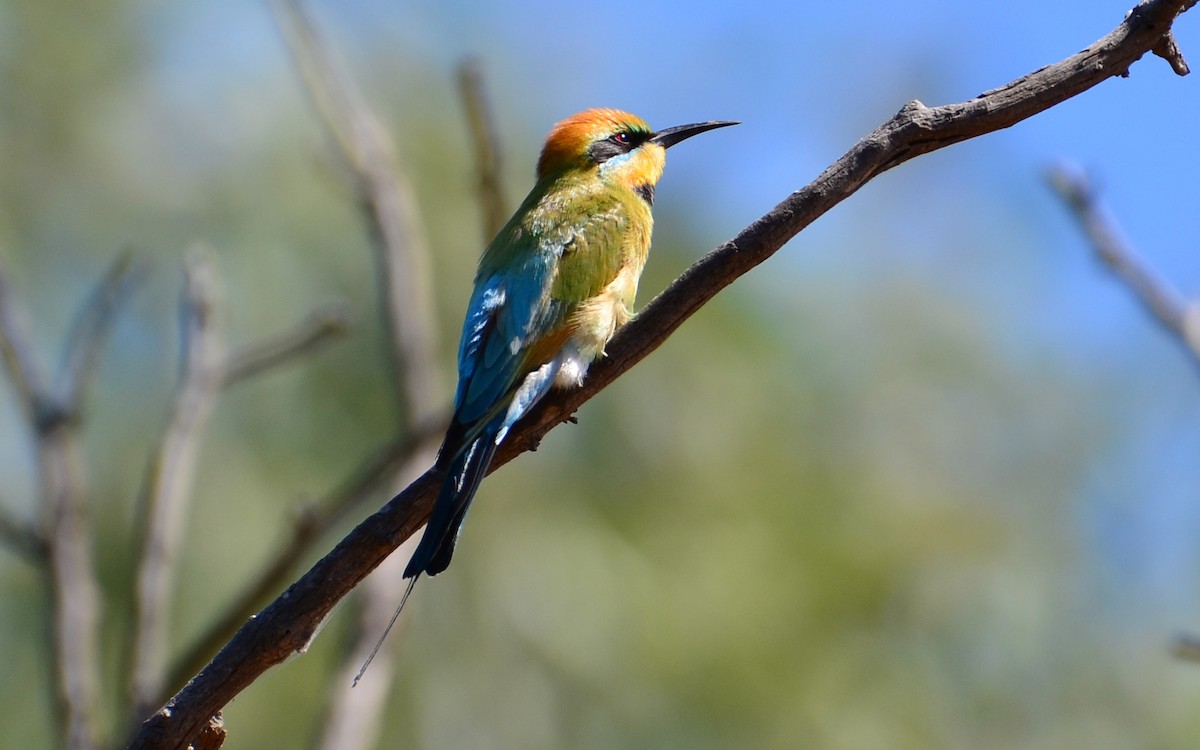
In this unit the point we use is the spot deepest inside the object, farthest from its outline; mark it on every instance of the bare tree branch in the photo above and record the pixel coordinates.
(321, 327)
(1165, 303)
(366, 482)
(1168, 49)
(25, 371)
(401, 252)
(76, 601)
(172, 473)
(492, 200)
(91, 329)
(318, 329)
(353, 717)
(68, 546)
(288, 624)
(389, 203)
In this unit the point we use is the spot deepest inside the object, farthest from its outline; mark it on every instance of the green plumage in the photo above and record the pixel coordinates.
(559, 279)
(589, 228)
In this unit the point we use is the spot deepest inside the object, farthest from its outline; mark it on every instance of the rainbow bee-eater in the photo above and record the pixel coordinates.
(551, 289)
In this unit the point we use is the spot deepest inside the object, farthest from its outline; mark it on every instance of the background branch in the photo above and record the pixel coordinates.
(204, 373)
(388, 203)
(353, 716)
(76, 600)
(25, 372)
(172, 474)
(288, 624)
(68, 546)
(373, 476)
(493, 203)
(91, 329)
(389, 208)
(319, 329)
(1163, 301)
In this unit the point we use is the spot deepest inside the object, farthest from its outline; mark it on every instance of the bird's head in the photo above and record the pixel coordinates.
(618, 146)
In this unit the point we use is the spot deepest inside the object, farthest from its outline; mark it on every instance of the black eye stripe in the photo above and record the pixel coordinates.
(621, 142)
(632, 138)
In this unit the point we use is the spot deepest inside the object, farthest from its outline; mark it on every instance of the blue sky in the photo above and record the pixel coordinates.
(807, 80)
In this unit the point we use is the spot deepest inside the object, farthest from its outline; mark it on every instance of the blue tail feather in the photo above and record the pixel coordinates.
(463, 476)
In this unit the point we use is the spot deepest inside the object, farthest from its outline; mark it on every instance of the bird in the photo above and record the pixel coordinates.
(551, 289)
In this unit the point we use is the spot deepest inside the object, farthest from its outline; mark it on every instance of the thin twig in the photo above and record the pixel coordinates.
(76, 600)
(1164, 302)
(91, 329)
(389, 204)
(24, 373)
(320, 328)
(1168, 49)
(171, 475)
(25, 370)
(493, 202)
(366, 482)
(68, 545)
(353, 717)
(287, 625)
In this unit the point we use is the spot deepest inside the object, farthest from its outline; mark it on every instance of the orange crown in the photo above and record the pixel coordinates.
(568, 142)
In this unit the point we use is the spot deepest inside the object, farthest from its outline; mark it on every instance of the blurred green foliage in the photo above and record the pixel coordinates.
(834, 511)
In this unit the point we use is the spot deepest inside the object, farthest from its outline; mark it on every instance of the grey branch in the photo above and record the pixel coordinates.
(68, 545)
(366, 482)
(1161, 299)
(172, 473)
(91, 330)
(1168, 49)
(288, 624)
(25, 370)
(317, 330)
(28, 382)
(76, 600)
(492, 201)
(389, 205)
(320, 328)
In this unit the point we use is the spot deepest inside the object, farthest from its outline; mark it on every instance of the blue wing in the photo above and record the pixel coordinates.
(499, 380)
(517, 323)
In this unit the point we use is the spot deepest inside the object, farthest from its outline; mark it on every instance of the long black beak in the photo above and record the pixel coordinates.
(671, 136)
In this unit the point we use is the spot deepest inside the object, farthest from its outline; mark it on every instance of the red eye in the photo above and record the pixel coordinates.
(622, 138)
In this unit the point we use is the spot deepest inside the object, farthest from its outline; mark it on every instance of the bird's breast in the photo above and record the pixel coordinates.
(596, 320)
